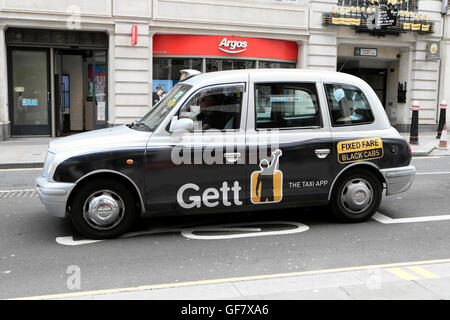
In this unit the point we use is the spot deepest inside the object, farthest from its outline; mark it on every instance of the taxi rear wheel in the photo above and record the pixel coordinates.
(356, 196)
(103, 209)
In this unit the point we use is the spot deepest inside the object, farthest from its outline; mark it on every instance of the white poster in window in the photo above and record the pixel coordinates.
(101, 111)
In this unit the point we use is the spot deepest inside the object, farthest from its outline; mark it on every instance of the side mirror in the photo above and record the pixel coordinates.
(184, 124)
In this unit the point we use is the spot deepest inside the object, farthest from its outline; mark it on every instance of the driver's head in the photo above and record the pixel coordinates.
(205, 101)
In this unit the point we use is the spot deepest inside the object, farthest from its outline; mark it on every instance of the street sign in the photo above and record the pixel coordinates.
(365, 52)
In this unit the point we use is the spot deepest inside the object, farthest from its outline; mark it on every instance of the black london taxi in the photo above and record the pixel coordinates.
(228, 141)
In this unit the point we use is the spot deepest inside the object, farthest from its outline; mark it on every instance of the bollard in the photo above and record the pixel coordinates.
(414, 134)
(442, 116)
(443, 140)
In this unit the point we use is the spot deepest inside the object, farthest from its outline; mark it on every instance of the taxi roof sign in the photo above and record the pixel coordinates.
(188, 73)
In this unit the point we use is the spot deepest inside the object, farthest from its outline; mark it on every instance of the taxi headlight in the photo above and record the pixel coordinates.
(48, 164)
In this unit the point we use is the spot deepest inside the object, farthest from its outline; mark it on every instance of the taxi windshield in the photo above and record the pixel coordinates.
(157, 114)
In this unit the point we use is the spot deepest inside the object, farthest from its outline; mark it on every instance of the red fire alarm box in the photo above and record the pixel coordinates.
(134, 35)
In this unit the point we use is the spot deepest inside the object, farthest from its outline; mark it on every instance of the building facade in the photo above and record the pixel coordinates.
(71, 66)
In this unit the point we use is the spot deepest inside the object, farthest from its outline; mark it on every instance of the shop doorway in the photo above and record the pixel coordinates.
(29, 91)
(374, 72)
(57, 81)
(80, 91)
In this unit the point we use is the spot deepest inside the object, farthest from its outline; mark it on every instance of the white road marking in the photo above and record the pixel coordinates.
(7, 191)
(439, 172)
(386, 220)
(189, 233)
(9, 194)
(427, 157)
(21, 169)
(68, 241)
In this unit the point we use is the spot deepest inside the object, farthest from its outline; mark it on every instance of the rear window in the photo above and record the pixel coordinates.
(348, 105)
(286, 105)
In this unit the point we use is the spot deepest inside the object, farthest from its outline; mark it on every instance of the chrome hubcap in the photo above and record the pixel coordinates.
(103, 210)
(357, 196)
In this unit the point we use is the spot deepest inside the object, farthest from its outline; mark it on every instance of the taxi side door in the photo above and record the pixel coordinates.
(289, 142)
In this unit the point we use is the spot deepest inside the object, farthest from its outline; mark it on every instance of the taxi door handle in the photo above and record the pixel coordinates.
(322, 153)
(232, 157)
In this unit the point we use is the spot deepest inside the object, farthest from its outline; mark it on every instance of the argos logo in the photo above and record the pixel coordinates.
(232, 46)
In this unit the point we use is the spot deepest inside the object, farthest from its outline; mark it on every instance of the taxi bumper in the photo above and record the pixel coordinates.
(398, 179)
(54, 195)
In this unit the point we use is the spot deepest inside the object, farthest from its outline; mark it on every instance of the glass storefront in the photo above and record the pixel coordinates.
(275, 64)
(166, 73)
(228, 64)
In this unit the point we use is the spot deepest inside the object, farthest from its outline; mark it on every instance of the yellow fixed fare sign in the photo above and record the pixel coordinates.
(359, 150)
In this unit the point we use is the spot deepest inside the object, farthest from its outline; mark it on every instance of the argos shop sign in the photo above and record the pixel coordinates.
(199, 45)
(232, 46)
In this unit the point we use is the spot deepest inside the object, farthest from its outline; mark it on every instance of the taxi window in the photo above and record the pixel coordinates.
(286, 105)
(348, 105)
(217, 107)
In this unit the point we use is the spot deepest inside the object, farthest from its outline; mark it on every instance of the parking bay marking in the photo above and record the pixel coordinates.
(386, 220)
(428, 173)
(246, 230)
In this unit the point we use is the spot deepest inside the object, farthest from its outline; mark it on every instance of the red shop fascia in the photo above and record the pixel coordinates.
(224, 46)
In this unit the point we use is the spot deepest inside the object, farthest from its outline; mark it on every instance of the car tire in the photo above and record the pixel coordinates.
(357, 196)
(103, 209)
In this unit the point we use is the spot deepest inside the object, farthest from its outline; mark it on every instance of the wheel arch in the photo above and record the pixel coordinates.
(98, 174)
(369, 166)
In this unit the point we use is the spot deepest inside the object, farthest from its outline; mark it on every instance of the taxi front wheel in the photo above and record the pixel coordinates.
(103, 209)
(356, 197)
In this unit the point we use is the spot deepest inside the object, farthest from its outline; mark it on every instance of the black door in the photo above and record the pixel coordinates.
(29, 91)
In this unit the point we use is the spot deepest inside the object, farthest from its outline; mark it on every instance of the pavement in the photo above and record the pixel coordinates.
(30, 152)
(420, 280)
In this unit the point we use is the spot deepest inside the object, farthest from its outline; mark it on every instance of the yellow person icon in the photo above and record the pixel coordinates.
(267, 183)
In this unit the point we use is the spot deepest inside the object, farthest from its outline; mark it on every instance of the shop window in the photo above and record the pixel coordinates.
(217, 107)
(348, 105)
(286, 105)
(166, 72)
(228, 64)
(275, 64)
